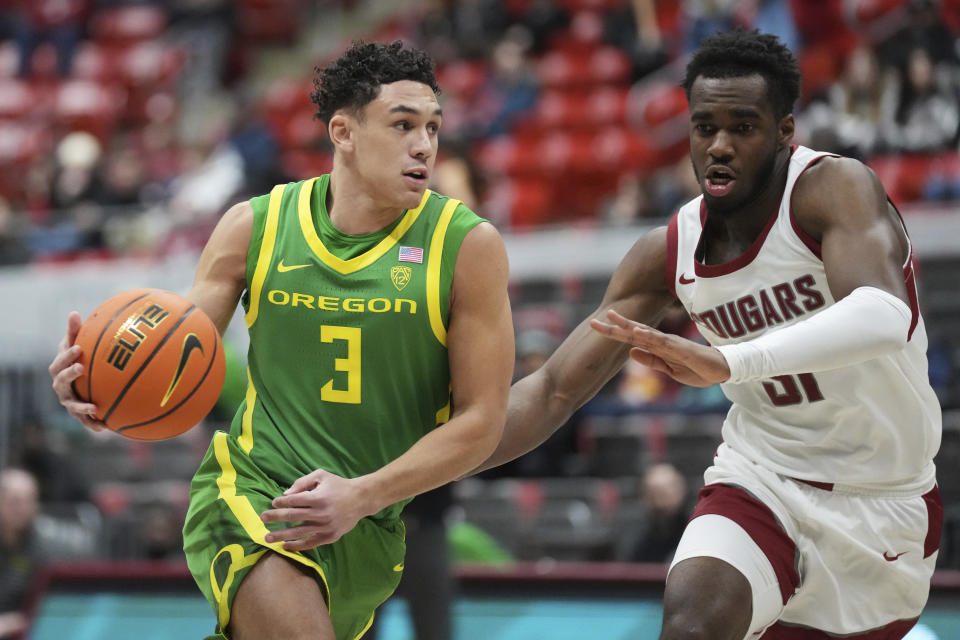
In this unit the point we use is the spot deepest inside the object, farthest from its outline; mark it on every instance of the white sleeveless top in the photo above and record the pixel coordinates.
(873, 426)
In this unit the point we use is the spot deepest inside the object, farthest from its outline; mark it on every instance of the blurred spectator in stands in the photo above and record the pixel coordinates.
(703, 18)
(928, 112)
(543, 19)
(631, 201)
(924, 28)
(78, 158)
(476, 25)
(633, 27)
(667, 503)
(258, 149)
(160, 527)
(558, 456)
(13, 248)
(512, 88)
(28, 540)
(58, 22)
(20, 557)
(46, 456)
(212, 174)
(672, 186)
(860, 106)
(121, 176)
(73, 193)
(457, 175)
(203, 29)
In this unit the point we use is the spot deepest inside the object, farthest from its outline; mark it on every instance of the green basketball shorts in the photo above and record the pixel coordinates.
(223, 537)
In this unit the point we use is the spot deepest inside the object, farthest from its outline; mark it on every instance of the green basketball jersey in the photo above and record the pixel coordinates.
(348, 361)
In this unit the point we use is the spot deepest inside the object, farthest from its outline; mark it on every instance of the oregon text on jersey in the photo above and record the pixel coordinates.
(282, 298)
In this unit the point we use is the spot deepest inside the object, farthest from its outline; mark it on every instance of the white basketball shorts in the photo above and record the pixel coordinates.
(820, 559)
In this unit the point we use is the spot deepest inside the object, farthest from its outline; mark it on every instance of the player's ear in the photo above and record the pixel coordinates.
(785, 130)
(340, 130)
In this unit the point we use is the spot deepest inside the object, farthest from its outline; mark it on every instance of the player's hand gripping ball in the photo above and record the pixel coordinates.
(153, 364)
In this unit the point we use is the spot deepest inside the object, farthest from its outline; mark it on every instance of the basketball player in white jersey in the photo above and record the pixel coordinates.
(820, 516)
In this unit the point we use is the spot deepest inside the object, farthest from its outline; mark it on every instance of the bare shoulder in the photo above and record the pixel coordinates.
(481, 262)
(638, 288)
(645, 264)
(835, 188)
(238, 218)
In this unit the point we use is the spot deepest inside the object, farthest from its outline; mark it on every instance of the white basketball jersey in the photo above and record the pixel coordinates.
(873, 426)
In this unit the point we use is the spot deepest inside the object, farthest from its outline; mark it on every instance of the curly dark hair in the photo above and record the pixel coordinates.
(738, 53)
(353, 80)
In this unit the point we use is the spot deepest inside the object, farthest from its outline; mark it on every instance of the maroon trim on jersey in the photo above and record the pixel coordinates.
(826, 486)
(745, 258)
(934, 521)
(760, 524)
(805, 237)
(672, 244)
(892, 631)
(909, 277)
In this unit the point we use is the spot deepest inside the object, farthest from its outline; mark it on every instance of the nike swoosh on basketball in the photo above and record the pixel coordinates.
(685, 280)
(190, 342)
(282, 268)
(889, 557)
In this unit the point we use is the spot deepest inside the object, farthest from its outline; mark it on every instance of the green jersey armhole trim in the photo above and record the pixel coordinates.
(266, 253)
(363, 260)
(434, 261)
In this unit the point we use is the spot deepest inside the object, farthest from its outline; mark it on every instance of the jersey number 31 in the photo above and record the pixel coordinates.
(787, 389)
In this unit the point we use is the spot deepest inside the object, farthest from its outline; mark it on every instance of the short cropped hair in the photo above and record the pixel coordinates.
(353, 80)
(739, 53)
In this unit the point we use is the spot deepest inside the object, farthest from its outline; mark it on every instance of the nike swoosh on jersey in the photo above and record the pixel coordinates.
(685, 280)
(282, 268)
(190, 342)
(889, 557)
(398, 568)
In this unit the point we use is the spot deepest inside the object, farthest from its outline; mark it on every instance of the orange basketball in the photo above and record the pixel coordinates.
(152, 363)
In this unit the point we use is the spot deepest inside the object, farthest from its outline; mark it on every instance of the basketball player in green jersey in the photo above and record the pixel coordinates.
(381, 351)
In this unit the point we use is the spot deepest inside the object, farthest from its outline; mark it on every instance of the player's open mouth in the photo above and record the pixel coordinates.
(718, 181)
(418, 176)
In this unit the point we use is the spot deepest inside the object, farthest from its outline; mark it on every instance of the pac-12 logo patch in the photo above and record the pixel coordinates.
(400, 275)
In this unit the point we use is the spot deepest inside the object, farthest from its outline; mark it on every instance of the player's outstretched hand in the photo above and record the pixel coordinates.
(65, 369)
(683, 360)
(326, 505)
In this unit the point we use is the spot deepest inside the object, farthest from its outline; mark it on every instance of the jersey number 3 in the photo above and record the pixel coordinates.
(350, 365)
(787, 390)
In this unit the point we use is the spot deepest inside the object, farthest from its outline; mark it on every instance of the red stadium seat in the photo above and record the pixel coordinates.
(584, 35)
(94, 62)
(81, 105)
(524, 202)
(21, 142)
(298, 163)
(9, 59)
(463, 77)
(591, 5)
(604, 65)
(658, 112)
(286, 96)
(127, 25)
(149, 64)
(17, 99)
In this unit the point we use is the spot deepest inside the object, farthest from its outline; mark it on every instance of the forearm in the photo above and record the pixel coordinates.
(441, 456)
(532, 417)
(866, 324)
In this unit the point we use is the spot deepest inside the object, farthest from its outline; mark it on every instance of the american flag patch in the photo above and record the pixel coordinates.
(411, 254)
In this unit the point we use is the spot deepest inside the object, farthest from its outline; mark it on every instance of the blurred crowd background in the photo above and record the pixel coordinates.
(128, 126)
